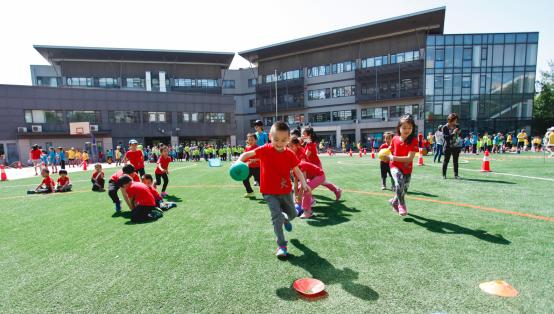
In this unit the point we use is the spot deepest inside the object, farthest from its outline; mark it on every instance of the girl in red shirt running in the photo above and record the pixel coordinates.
(162, 169)
(403, 149)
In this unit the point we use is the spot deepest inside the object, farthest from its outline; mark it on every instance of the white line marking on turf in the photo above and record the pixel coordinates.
(500, 173)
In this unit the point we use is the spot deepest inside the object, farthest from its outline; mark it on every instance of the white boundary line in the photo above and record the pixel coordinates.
(501, 173)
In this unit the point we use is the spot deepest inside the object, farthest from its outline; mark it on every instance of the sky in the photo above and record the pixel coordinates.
(233, 26)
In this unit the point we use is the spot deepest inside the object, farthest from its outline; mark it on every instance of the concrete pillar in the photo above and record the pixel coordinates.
(338, 137)
(358, 133)
(148, 81)
(174, 141)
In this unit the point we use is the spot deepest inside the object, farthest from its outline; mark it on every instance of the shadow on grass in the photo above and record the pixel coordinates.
(321, 269)
(421, 194)
(127, 215)
(450, 228)
(487, 181)
(173, 198)
(328, 212)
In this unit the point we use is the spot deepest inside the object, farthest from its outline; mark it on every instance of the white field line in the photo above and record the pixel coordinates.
(500, 173)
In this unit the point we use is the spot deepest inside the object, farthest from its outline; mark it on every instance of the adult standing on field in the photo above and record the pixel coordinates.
(452, 147)
(439, 142)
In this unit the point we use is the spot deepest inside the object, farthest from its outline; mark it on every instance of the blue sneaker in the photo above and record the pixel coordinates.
(299, 210)
(118, 207)
(288, 226)
(281, 251)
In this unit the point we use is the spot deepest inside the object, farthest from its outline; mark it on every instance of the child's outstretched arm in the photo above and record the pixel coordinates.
(302, 179)
(409, 158)
(247, 155)
(127, 200)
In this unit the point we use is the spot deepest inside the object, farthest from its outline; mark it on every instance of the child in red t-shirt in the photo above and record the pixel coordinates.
(385, 167)
(253, 164)
(98, 178)
(276, 163)
(403, 149)
(135, 157)
(309, 137)
(46, 186)
(149, 181)
(113, 185)
(64, 184)
(315, 177)
(162, 169)
(141, 200)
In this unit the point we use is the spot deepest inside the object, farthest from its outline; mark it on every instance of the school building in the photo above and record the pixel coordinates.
(349, 84)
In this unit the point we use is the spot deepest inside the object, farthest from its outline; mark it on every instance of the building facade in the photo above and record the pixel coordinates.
(351, 85)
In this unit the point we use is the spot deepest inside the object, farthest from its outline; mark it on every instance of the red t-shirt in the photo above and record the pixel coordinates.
(140, 192)
(164, 162)
(154, 192)
(136, 158)
(275, 169)
(254, 164)
(98, 175)
(300, 153)
(48, 182)
(115, 177)
(311, 170)
(35, 153)
(313, 158)
(63, 181)
(401, 149)
(384, 145)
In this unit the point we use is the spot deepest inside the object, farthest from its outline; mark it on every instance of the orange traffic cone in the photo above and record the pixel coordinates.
(350, 153)
(372, 153)
(3, 176)
(19, 165)
(486, 167)
(84, 165)
(420, 159)
(360, 153)
(365, 151)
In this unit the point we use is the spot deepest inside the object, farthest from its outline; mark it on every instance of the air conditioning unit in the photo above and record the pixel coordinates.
(36, 128)
(21, 129)
(94, 127)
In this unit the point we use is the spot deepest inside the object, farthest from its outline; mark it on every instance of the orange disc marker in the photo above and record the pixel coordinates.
(309, 286)
(499, 288)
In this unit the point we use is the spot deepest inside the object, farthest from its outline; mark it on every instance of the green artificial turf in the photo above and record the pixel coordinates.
(215, 251)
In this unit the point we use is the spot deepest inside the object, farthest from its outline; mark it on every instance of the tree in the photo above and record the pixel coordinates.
(544, 101)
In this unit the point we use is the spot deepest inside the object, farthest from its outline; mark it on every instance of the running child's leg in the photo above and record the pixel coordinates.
(246, 182)
(166, 182)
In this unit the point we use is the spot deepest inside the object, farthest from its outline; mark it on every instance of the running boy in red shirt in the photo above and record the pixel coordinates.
(135, 157)
(403, 149)
(46, 186)
(141, 200)
(253, 164)
(113, 185)
(64, 184)
(276, 163)
(162, 169)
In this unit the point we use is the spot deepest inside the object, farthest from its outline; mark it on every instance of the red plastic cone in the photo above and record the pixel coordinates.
(372, 153)
(486, 167)
(85, 165)
(420, 159)
(19, 165)
(3, 176)
(365, 151)
(360, 153)
(350, 153)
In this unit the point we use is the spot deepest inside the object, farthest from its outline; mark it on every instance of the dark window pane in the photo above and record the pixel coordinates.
(521, 38)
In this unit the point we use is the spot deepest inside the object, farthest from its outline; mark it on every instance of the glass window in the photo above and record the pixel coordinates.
(122, 117)
(520, 55)
(439, 40)
(319, 117)
(186, 117)
(476, 56)
(498, 52)
(83, 116)
(466, 81)
(400, 57)
(430, 58)
(509, 52)
(529, 82)
(498, 38)
(518, 82)
(344, 115)
(510, 38)
(458, 55)
(409, 56)
(439, 82)
(496, 84)
(251, 82)
(507, 83)
(521, 38)
(448, 57)
(226, 83)
(533, 38)
(429, 84)
(430, 40)
(531, 57)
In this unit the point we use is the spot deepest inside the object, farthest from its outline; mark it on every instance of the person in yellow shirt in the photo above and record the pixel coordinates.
(521, 137)
(71, 157)
(84, 156)
(550, 141)
(77, 157)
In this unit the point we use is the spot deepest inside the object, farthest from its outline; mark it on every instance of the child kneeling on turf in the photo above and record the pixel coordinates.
(46, 186)
(64, 184)
(148, 180)
(140, 200)
(98, 178)
(276, 163)
(113, 185)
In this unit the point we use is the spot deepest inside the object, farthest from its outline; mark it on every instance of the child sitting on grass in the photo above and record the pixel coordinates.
(98, 178)
(140, 200)
(148, 180)
(46, 186)
(64, 184)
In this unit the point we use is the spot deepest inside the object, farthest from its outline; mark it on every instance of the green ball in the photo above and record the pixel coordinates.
(239, 171)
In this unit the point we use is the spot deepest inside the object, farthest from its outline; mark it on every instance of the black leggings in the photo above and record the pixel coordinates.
(385, 169)
(252, 172)
(141, 172)
(455, 153)
(159, 180)
(112, 191)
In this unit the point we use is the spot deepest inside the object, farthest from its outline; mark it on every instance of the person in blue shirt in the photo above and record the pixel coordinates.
(60, 155)
(263, 138)
(473, 138)
(52, 162)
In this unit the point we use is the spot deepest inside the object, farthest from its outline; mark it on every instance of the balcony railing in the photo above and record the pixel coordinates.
(197, 90)
(404, 93)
